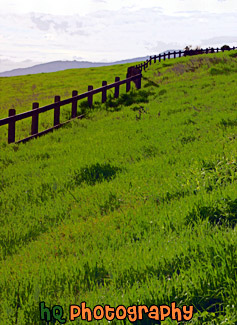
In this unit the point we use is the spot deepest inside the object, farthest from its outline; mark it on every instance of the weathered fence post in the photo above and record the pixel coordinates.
(90, 97)
(74, 104)
(138, 82)
(179, 54)
(150, 59)
(128, 84)
(155, 59)
(104, 92)
(56, 119)
(168, 55)
(11, 126)
(206, 50)
(159, 57)
(116, 88)
(174, 54)
(35, 120)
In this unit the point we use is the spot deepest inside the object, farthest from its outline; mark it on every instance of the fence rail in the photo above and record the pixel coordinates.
(175, 54)
(36, 110)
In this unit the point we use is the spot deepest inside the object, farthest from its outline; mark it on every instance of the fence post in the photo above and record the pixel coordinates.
(150, 59)
(138, 82)
(35, 119)
(116, 90)
(159, 57)
(180, 54)
(74, 104)
(206, 50)
(104, 92)
(164, 56)
(168, 55)
(128, 86)
(174, 54)
(11, 126)
(155, 59)
(90, 97)
(217, 50)
(56, 111)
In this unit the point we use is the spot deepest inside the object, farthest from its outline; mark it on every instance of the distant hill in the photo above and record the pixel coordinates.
(64, 65)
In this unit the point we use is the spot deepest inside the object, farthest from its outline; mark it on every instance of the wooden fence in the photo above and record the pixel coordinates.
(36, 110)
(134, 74)
(175, 54)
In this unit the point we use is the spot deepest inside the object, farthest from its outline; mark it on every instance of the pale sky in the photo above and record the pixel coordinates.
(40, 31)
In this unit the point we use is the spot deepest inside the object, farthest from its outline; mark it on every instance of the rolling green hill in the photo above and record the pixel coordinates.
(134, 205)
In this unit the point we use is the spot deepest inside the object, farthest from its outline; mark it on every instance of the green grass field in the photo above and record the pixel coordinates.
(123, 208)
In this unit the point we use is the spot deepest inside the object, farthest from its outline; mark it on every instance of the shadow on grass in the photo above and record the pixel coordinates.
(96, 173)
(128, 99)
(224, 212)
(227, 123)
(150, 83)
(115, 104)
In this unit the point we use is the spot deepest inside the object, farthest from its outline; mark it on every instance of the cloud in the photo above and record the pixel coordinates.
(109, 34)
(220, 40)
(162, 46)
(44, 24)
(59, 24)
(40, 23)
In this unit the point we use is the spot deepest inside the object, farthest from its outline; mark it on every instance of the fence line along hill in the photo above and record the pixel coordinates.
(133, 74)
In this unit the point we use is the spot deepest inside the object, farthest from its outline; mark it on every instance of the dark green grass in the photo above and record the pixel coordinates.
(127, 207)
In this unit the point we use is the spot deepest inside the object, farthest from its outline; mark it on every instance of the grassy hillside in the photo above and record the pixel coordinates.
(125, 208)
